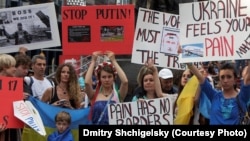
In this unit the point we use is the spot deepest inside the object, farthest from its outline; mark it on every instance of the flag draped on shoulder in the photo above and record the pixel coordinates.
(48, 113)
(185, 102)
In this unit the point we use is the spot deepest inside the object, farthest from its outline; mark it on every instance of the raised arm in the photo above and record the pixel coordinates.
(88, 77)
(124, 81)
(22, 50)
(157, 82)
(246, 76)
(196, 72)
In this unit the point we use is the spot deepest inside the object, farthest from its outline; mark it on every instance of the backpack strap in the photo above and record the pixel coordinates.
(51, 82)
(52, 94)
(30, 85)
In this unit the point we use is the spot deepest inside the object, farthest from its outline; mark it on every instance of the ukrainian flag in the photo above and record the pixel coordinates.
(48, 113)
(185, 102)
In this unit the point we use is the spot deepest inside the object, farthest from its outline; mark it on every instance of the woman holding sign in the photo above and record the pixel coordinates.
(149, 83)
(106, 92)
(225, 104)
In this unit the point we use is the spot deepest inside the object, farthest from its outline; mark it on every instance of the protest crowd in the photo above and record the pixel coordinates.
(210, 93)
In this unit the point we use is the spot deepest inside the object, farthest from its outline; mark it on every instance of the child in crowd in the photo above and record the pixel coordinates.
(63, 132)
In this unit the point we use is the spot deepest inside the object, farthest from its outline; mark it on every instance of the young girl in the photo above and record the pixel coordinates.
(105, 92)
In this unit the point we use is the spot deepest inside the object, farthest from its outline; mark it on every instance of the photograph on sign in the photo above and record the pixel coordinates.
(79, 33)
(170, 41)
(112, 33)
(34, 26)
(192, 50)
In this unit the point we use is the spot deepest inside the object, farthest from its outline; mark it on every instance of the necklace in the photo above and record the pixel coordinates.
(64, 90)
(106, 94)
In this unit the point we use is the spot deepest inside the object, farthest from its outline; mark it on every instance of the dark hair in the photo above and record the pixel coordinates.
(180, 87)
(22, 59)
(228, 66)
(211, 70)
(107, 67)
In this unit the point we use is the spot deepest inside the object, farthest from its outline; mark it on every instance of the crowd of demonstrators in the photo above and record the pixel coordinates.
(105, 92)
(220, 105)
(67, 92)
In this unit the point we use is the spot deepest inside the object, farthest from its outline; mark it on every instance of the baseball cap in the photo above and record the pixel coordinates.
(165, 73)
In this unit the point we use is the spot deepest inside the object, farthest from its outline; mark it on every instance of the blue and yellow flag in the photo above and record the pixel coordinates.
(185, 102)
(48, 113)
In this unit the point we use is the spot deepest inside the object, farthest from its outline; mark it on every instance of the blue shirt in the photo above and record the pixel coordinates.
(225, 111)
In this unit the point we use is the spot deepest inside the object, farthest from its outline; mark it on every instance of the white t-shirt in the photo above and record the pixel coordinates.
(39, 86)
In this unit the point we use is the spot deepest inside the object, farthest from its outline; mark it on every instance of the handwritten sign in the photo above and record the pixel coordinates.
(11, 89)
(148, 112)
(103, 27)
(34, 26)
(214, 30)
(157, 36)
(26, 112)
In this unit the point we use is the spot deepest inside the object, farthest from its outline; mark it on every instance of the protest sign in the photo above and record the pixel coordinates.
(27, 113)
(214, 30)
(157, 111)
(34, 26)
(157, 37)
(101, 27)
(11, 89)
(48, 113)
